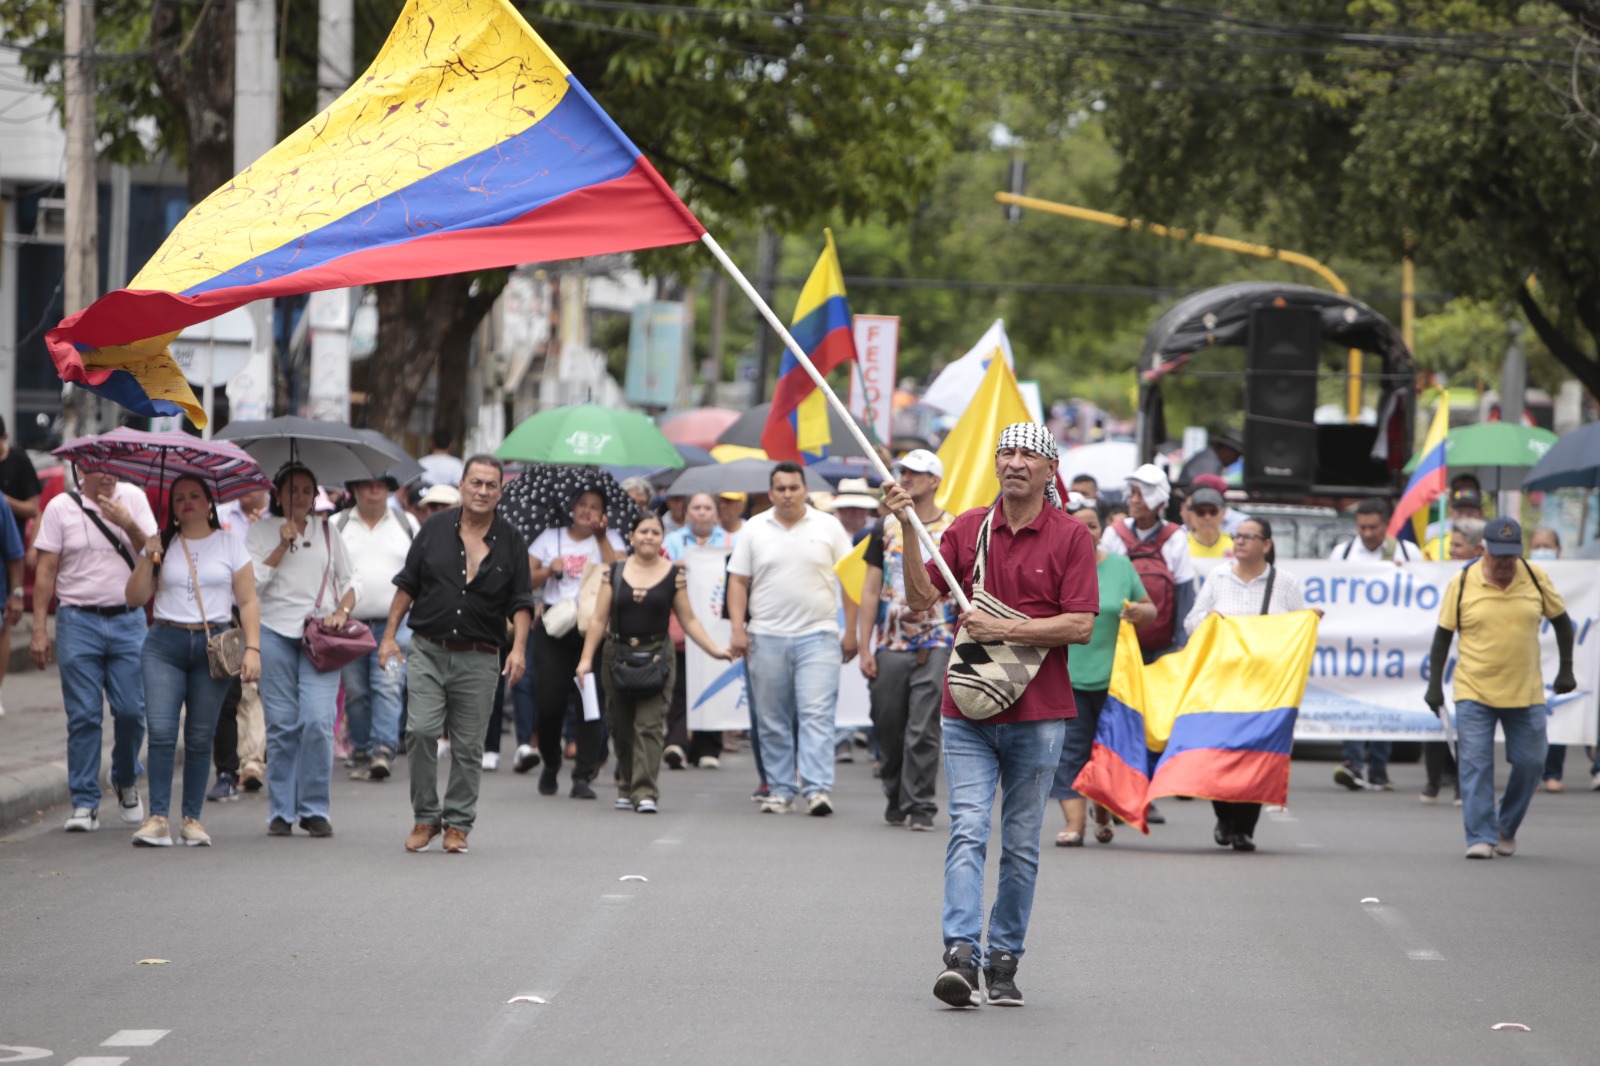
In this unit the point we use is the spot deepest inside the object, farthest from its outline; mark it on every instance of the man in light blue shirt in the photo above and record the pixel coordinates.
(700, 531)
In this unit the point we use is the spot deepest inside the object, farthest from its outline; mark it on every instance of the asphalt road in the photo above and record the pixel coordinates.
(758, 938)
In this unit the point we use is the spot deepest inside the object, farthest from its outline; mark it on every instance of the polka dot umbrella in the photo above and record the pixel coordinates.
(541, 498)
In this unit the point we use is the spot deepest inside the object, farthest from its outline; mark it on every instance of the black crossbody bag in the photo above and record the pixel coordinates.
(122, 549)
(640, 666)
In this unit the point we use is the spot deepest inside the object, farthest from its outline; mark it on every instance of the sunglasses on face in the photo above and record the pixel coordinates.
(1237, 537)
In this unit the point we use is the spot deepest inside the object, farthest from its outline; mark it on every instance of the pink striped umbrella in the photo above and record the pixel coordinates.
(161, 458)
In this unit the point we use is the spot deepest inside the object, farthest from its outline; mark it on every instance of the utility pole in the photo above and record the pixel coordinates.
(767, 247)
(255, 130)
(331, 309)
(81, 284)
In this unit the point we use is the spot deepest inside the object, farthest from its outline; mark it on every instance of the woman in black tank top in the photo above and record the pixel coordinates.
(637, 609)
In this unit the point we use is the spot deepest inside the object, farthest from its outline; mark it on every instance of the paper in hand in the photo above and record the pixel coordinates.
(591, 698)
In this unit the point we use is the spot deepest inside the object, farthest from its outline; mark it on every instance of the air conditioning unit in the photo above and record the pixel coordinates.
(50, 224)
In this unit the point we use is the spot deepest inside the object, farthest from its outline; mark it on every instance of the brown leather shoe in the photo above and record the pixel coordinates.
(421, 836)
(455, 841)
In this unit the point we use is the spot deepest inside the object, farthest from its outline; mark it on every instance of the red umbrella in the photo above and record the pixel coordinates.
(158, 459)
(698, 427)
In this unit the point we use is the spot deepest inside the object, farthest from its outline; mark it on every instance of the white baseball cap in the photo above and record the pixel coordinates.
(921, 461)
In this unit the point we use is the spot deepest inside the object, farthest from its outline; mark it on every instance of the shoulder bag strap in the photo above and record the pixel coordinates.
(122, 549)
(1461, 591)
(1272, 577)
(616, 596)
(205, 619)
(327, 540)
(980, 558)
(1536, 586)
(1349, 546)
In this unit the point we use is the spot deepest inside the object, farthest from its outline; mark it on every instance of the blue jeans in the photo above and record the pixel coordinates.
(177, 674)
(1373, 753)
(1020, 758)
(99, 659)
(1525, 751)
(298, 703)
(372, 696)
(1077, 745)
(796, 680)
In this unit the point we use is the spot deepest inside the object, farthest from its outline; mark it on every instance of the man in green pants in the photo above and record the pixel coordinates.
(465, 575)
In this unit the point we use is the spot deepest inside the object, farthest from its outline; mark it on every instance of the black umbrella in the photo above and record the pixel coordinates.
(741, 475)
(1573, 462)
(747, 432)
(406, 469)
(334, 452)
(541, 498)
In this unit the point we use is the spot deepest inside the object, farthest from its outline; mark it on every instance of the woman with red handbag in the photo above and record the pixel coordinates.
(300, 566)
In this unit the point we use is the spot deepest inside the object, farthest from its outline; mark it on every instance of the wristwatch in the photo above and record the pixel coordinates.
(18, 593)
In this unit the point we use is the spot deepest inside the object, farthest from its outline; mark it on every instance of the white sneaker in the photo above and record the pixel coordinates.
(1507, 847)
(153, 833)
(623, 804)
(526, 758)
(83, 820)
(444, 747)
(1481, 851)
(820, 805)
(709, 762)
(491, 761)
(2, 710)
(1596, 785)
(130, 808)
(777, 805)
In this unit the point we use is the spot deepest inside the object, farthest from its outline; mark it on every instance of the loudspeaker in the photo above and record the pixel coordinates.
(1280, 433)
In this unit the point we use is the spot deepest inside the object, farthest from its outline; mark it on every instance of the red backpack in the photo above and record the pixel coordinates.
(1156, 575)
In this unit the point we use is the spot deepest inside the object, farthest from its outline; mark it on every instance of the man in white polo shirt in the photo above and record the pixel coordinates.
(377, 539)
(782, 568)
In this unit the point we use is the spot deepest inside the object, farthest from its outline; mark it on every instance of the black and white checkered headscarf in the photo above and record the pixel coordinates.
(1037, 439)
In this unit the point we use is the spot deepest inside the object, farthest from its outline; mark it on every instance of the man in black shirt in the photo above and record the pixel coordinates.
(465, 576)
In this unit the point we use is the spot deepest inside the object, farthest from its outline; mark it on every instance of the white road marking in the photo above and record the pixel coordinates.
(668, 840)
(1400, 931)
(135, 1037)
(23, 1053)
(98, 1060)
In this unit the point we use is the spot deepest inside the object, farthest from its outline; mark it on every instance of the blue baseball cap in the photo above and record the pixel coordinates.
(1503, 536)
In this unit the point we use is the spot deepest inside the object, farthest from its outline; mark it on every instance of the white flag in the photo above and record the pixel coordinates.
(957, 383)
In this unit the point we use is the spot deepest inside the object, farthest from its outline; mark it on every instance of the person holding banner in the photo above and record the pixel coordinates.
(637, 597)
(1252, 585)
(1048, 587)
(702, 747)
(1495, 606)
(1122, 597)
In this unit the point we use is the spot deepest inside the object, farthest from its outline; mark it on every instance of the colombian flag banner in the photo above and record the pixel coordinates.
(466, 145)
(797, 422)
(1215, 720)
(1431, 477)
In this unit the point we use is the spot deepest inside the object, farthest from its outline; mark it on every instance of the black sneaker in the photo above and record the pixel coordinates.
(317, 826)
(1242, 842)
(1000, 977)
(581, 789)
(1221, 835)
(548, 782)
(922, 823)
(893, 815)
(279, 828)
(958, 984)
(1350, 777)
(1153, 816)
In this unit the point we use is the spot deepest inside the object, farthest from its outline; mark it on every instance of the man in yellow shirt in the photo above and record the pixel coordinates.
(1495, 606)
(1206, 538)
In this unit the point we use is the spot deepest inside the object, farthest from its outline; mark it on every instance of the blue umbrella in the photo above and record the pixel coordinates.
(836, 470)
(1573, 462)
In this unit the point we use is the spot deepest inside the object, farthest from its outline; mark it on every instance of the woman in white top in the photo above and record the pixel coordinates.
(298, 556)
(1251, 584)
(558, 558)
(198, 575)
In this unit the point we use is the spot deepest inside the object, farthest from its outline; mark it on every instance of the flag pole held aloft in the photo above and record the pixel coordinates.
(837, 404)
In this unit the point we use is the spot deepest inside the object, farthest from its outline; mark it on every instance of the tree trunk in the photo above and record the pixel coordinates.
(423, 325)
(1584, 367)
(194, 71)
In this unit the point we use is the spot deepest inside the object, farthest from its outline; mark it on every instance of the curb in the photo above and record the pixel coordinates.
(24, 793)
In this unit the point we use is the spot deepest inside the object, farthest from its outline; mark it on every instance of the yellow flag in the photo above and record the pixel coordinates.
(968, 452)
(852, 570)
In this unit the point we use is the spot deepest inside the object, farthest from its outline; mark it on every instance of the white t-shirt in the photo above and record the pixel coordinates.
(1175, 551)
(793, 589)
(557, 543)
(376, 555)
(216, 559)
(1404, 552)
(288, 592)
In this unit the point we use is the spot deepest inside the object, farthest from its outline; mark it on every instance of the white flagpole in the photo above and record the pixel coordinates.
(838, 406)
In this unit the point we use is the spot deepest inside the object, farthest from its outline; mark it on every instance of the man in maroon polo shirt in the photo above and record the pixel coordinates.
(1041, 563)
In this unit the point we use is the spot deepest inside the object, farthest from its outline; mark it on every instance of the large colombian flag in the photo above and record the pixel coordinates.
(1215, 720)
(466, 145)
(1431, 477)
(797, 422)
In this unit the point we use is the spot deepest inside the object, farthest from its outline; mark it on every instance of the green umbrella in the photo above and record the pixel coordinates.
(590, 436)
(1493, 444)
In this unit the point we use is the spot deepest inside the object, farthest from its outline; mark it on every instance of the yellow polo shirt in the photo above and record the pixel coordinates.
(1222, 549)
(1497, 656)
